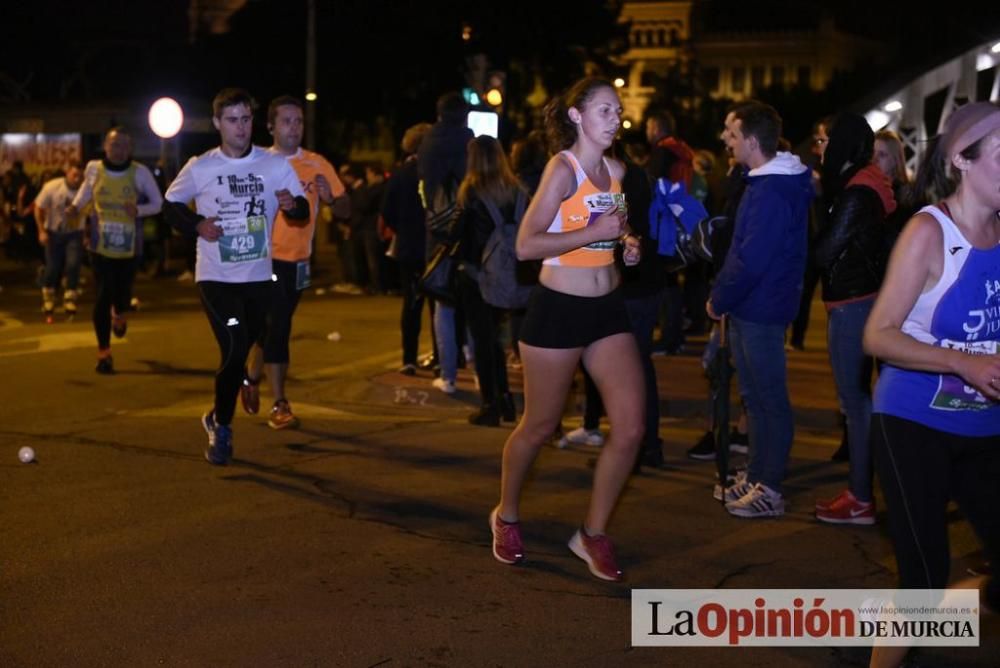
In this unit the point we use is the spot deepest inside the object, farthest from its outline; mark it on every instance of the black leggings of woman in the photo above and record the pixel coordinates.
(920, 470)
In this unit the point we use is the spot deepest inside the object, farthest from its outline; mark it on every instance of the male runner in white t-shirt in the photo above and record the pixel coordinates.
(237, 191)
(62, 237)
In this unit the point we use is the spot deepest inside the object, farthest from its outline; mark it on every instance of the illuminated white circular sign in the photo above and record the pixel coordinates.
(166, 118)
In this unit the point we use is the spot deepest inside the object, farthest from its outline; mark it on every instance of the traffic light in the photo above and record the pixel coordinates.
(495, 88)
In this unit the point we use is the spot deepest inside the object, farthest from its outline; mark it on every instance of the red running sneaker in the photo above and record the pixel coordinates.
(507, 545)
(846, 509)
(599, 554)
(250, 395)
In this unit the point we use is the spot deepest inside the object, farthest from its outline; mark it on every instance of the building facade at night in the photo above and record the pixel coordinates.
(728, 57)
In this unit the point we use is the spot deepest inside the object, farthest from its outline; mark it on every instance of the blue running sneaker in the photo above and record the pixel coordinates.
(220, 440)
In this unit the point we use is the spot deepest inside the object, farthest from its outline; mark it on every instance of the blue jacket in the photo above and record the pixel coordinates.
(761, 279)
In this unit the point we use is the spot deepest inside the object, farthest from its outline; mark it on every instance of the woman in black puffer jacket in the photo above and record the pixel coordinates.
(489, 183)
(851, 253)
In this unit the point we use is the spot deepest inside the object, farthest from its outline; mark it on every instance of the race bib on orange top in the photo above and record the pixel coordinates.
(597, 205)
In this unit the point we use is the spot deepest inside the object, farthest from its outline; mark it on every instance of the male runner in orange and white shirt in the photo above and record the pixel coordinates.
(291, 243)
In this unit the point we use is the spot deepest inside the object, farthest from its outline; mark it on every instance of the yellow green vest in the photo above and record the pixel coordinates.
(115, 228)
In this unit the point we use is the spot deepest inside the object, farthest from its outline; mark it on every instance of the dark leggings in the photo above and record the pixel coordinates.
(413, 306)
(284, 301)
(114, 278)
(236, 312)
(484, 322)
(920, 470)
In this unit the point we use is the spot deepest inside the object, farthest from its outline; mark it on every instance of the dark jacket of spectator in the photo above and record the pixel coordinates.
(404, 214)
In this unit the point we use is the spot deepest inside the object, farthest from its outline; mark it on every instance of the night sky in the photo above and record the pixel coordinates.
(379, 56)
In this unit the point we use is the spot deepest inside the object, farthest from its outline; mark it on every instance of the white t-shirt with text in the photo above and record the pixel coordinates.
(240, 192)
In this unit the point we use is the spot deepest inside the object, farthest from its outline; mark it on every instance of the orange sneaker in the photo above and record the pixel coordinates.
(281, 416)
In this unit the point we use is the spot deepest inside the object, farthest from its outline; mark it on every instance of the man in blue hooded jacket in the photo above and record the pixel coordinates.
(759, 289)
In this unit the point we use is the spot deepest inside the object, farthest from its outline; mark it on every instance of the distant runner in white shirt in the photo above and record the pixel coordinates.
(62, 238)
(237, 190)
(116, 184)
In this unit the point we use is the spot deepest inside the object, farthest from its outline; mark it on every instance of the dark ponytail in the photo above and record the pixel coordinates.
(560, 131)
(849, 150)
(936, 179)
(932, 182)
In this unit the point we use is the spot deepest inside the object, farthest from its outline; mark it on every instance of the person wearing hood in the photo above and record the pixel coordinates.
(759, 288)
(672, 159)
(849, 251)
(441, 163)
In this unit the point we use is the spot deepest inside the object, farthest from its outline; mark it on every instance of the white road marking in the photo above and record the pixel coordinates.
(9, 322)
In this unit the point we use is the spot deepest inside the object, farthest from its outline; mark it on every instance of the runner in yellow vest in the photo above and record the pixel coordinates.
(116, 185)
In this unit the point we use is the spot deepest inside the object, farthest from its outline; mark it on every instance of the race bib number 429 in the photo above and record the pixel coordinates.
(244, 242)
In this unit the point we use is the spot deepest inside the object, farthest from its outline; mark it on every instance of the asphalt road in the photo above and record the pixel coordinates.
(361, 538)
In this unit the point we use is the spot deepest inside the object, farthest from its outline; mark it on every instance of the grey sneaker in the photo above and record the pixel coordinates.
(582, 436)
(736, 486)
(760, 501)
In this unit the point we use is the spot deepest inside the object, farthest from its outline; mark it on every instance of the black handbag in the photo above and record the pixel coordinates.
(438, 280)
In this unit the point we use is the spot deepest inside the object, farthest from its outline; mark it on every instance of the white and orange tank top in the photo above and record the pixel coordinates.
(580, 209)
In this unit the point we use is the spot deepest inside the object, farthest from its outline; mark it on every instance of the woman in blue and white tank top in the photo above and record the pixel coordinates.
(935, 428)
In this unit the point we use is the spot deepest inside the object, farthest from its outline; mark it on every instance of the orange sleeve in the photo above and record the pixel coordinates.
(336, 186)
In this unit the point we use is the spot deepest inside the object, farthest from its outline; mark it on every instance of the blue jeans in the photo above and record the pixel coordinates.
(447, 342)
(63, 253)
(759, 356)
(852, 373)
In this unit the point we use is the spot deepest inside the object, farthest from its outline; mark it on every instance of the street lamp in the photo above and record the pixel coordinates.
(166, 118)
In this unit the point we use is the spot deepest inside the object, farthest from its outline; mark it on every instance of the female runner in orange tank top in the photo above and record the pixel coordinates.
(577, 311)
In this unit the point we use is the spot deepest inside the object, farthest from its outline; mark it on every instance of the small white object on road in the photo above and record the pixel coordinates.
(333, 336)
(26, 455)
(320, 292)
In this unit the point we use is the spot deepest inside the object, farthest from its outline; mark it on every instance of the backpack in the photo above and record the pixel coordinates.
(440, 211)
(673, 217)
(501, 280)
